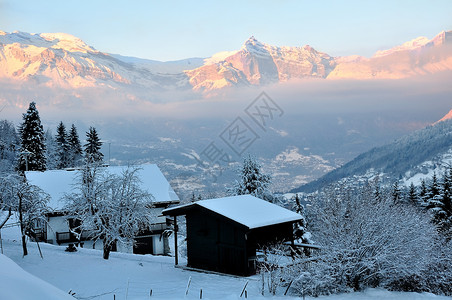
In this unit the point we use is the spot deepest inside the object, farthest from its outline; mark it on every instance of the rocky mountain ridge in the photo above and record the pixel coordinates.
(62, 60)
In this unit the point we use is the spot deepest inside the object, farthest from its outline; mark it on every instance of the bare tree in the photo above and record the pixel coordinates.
(7, 183)
(111, 207)
(28, 201)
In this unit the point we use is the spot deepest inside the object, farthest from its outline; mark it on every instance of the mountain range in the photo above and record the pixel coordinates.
(153, 111)
(62, 60)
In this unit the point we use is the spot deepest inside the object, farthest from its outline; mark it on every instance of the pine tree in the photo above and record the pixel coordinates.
(9, 143)
(377, 192)
(252, 180)
(443, 212)
(300, 231)
(75, 148)
(62, 144)
(32, 148)
(440, 203)
(193, 197)
(395, 192)
(432, 195)
(92, 146)
(51, 150)
(423, 193)
(412, 195)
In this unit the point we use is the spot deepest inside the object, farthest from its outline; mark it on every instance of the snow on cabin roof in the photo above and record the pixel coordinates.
(58, 183)
(247, 210)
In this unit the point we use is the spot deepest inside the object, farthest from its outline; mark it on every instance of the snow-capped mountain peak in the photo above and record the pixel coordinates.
(251, 41)
(67, 42)
(253, 45)
(410, 45)
(61, 41)
(419, 43)
(218, 57)
(61, 59)
(444, 37)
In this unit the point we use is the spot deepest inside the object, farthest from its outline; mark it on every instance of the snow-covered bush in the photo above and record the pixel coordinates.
(365, 243)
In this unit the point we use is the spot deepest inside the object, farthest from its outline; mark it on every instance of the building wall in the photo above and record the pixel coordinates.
(54, 225)
(202, 236)
(158, 245)
(60, 224)
(157, 214)
(216, 243)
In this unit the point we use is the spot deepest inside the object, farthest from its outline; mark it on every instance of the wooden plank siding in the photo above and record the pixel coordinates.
(216, 243)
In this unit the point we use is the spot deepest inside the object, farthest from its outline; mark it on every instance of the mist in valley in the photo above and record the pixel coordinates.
(320, 124)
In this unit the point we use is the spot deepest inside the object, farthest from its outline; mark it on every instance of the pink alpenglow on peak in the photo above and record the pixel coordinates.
(448, 116)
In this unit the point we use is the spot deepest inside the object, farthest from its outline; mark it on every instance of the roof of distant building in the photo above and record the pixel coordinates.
(58, 183)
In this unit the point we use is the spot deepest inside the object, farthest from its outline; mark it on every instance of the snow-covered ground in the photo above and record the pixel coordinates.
(128, 276)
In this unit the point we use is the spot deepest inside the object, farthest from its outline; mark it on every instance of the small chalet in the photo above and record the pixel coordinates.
(223, 234)
(58, 183)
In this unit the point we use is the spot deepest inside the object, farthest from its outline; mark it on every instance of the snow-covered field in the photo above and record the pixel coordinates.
(127, 276)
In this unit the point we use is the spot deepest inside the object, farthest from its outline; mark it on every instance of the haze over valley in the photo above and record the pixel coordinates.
(331, 108)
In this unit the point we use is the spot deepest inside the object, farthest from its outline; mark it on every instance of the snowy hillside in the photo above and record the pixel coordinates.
(128, 276)
(414, 156)
(13, 279)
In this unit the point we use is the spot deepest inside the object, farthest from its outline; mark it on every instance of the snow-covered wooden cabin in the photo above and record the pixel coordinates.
(58, 183)
(223, 234)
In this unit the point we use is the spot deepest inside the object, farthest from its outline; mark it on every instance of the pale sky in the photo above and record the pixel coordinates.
(171, 30)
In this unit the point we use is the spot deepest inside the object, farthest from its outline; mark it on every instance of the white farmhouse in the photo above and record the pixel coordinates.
(58, 183)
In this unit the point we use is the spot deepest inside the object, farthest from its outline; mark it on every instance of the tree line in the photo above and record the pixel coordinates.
(109, 207)
(33, 149)
(435, 196)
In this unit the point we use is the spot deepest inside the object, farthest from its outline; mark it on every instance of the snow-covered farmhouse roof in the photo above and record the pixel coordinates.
(247, 210)
(58, 183)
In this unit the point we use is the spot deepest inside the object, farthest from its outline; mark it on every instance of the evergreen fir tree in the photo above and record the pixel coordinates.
(439, 202)
(395, 192)
(300, 228)
(252, 180)
(412, 195)
(193, 197)
(432, 195)
(377, 192)
(32, 147)
(51, 150)
(92, 146)
(423, 193)
(75, 148)
(9, 144)
(443, 213)
(434, 187)
(62, 147)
